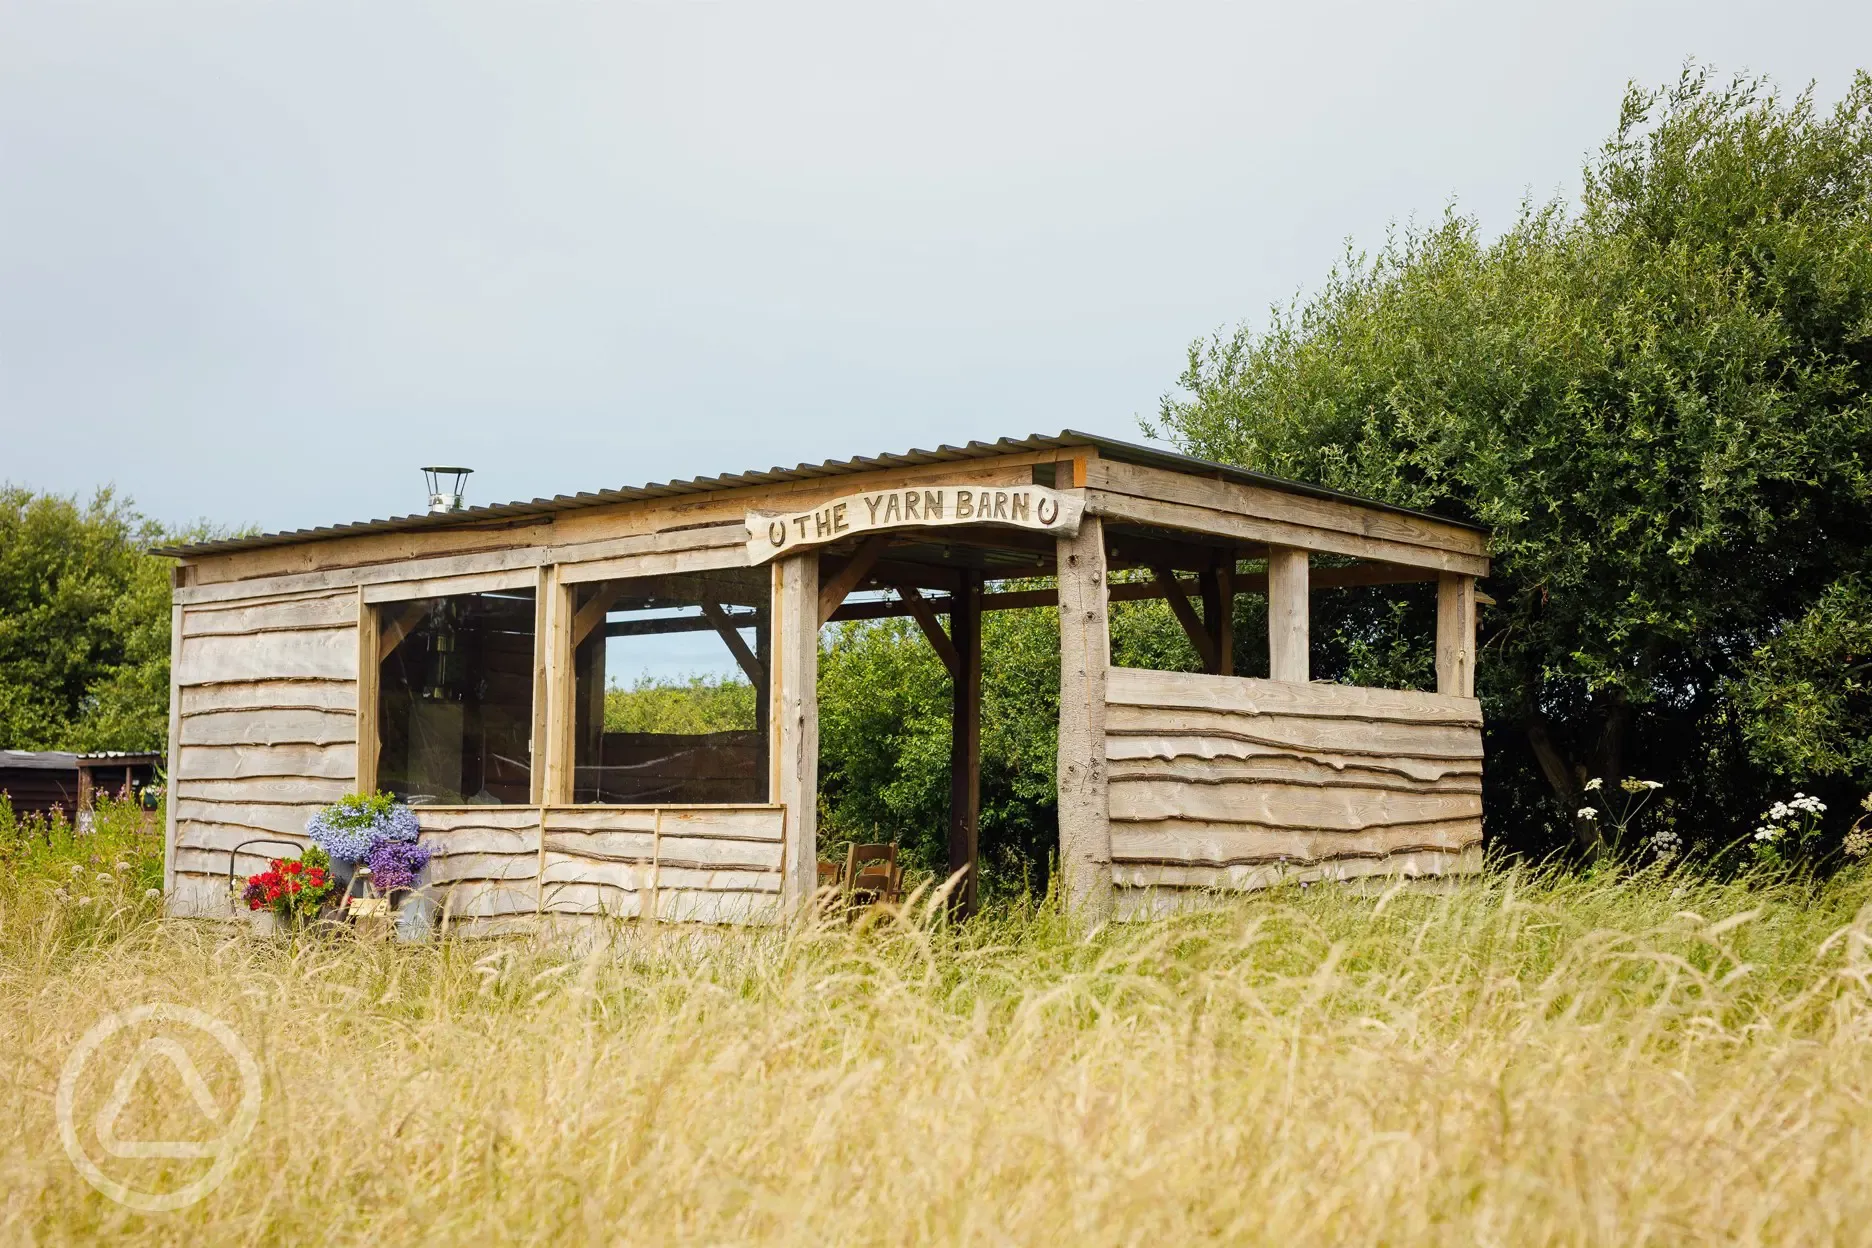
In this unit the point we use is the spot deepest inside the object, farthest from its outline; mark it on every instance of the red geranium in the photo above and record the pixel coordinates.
(295, 888)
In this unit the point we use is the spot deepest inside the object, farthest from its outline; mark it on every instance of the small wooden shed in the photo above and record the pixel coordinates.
(40, 782)
(467, 661)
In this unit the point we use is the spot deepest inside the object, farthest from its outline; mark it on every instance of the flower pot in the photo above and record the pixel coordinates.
(343, 871)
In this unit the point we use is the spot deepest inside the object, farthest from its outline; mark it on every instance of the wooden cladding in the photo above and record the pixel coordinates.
(264, 731)
(495, 865)
(1224, 782)
(1262, 515)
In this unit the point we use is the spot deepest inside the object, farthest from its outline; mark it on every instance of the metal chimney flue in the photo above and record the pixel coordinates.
(446, 487)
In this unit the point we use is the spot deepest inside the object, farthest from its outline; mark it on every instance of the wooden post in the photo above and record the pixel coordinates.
(536, 741)
(369, 679)
(1085, 654)
(1455, 634)
(175, 755)
(555, 723)
(965, 742)
(763, 693)
(1218, 593)
(1287, 614)
(794, 675)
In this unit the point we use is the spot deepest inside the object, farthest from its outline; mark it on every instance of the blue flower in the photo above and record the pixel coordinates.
(350, 828)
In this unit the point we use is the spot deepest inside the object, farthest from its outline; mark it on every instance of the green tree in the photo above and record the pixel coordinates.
(84, 624)
(1658, 402)
(884, 733)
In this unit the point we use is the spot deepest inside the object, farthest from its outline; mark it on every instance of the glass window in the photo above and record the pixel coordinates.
(670, 688)
(455, 699)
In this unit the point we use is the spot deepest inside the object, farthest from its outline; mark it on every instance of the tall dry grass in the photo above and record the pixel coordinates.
(1530, 1058)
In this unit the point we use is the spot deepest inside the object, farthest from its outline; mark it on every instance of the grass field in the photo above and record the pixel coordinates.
(1527, 1059)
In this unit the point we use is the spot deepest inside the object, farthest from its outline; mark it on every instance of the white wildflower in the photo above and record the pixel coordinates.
(105, 877)
(84, 901)
(152, 893)
(1586, 812)
(1595, 784)
(61, 894)
(1653, 784)
(76, 870)
(1858, 843)
(122, 866)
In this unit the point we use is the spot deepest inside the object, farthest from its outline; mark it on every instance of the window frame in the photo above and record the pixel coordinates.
(376, 602)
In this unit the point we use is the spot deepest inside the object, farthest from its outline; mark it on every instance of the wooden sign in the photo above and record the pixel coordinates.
(1034, 507)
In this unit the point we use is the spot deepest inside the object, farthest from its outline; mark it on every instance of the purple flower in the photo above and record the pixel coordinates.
(395, 864)
(350, 828)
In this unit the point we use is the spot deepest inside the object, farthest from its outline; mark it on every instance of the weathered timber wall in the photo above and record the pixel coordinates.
(1223, 782)
(703, 864)
(495, 866)
(266, 732)
(265, 715)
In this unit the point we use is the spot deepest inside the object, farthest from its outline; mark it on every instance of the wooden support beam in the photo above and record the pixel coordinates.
(965, 742)
(592, 614)
(677, 624)
(399, 627)
(1136, 591)
(1455, 635)
(925, 616)
(795, 694)
(545, 593)
(1218, 594)
(1239, 529)
(1170, 588)
(1288, 615)
(847, 578)
(1010, 600)
(1085, 656)
(555, 749)
(724, 624)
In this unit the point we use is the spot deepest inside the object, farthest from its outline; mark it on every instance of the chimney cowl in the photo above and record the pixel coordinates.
(446, 495)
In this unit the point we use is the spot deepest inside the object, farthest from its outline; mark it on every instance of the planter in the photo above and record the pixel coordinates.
(416, 917)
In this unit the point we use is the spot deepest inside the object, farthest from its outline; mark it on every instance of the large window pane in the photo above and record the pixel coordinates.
(455, 702)
(670, 703)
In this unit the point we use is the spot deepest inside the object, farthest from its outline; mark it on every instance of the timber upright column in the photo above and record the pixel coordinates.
(1455, 634)
(795, 693)
(965, 742)
(1288, 617)
(1085, 653)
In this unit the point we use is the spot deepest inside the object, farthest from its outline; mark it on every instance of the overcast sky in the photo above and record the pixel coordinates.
(259, 261)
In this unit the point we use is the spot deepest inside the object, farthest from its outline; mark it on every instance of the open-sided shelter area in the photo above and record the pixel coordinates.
(460, 660)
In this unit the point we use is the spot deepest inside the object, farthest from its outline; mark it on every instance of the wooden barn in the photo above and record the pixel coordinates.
(467, 660)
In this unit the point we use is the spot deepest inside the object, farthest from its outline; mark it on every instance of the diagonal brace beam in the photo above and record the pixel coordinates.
(1171, 589)
(725, 625)
(925, 616)
(855, 570)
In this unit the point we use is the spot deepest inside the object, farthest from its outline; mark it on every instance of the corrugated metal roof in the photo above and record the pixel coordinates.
(1112, 448)
(38, 760)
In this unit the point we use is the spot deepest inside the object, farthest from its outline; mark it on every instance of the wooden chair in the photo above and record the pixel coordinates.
(873, 870)
(829, 874)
